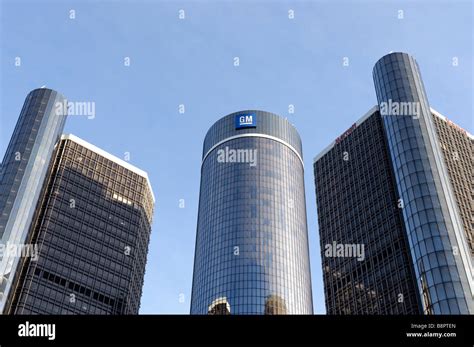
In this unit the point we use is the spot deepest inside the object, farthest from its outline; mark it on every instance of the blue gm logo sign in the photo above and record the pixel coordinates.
(245, 120)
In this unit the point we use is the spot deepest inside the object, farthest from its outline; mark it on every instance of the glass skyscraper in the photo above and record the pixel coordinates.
(92, 231)
(251, 252)
(435, 231)
(412, 196)
(22, 172)
(357, 206)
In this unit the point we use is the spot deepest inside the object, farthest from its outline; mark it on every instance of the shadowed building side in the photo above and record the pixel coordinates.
(357, 206)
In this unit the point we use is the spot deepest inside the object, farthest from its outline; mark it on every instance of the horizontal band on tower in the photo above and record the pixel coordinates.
(253, 135)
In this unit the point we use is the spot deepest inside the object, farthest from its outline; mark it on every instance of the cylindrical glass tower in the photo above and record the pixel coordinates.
(436, 236)
(252, 241)
(23, 171)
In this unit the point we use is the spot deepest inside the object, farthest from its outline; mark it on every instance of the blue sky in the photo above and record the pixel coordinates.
(191, 62)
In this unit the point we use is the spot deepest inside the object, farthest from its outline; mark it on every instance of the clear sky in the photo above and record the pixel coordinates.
(190, 61)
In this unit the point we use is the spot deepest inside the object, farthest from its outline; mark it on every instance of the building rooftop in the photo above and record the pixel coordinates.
(367, 115)
(111, 157)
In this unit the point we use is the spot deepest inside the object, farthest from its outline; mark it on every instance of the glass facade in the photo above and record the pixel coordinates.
(458, 151)
(22, 173)
(251, 252)
(357, 205)
(92, 232)
(440, 253)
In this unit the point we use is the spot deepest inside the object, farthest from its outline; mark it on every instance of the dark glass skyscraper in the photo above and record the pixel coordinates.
(92, 231)
(251, 252)
(412, 203)
(22, 172)
(357, 206)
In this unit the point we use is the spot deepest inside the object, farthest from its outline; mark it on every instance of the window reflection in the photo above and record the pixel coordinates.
(275, 304)
(220, 306)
